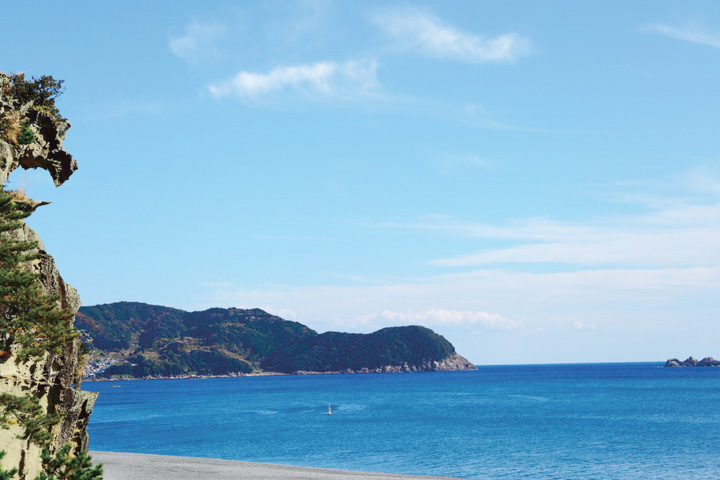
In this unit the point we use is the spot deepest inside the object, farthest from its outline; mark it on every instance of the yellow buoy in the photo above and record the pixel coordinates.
(329, 410)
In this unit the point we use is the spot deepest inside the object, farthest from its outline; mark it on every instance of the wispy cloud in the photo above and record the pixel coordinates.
(536, 307)
(690, 32)
(653, 274)
(476, 115)
(678, 237)
(197, 41)
(321, 79)
(613, 245)
(450, 317)
(421, 31)
(584, 326)
(679, 229)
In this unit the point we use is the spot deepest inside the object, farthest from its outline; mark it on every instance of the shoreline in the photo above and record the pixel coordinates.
(141, 466)
(265, 374)
(184, 377)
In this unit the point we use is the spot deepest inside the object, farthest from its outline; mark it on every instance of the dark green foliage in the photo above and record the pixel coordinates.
(114, 325)
(170, 342)
(64, 466)
(32, 324)
(335, 351)
(42, 91)
(167, 342)
(319, 353)
(27, 136)
(6, 474)
(181, 362)
(29, 318)
(254, 333)
(27, 412)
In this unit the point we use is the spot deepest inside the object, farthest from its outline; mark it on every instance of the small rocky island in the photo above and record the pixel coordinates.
(691, 362)
(137, 340)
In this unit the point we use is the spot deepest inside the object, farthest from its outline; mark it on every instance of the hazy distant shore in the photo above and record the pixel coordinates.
(122, 379)
(136, 466)
(255, 374)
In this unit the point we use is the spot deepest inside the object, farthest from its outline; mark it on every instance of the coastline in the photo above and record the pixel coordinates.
(176, 377)
(140, 466)
(272, 374)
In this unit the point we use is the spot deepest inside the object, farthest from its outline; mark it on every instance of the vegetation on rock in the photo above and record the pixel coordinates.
(41, 91)
(33, 325)
(25, 96)
(31, 128)
(333, 351)
(32, 322)
(27, 136)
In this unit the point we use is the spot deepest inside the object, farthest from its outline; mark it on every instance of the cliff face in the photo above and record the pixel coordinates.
(53, 379)
(45, 151)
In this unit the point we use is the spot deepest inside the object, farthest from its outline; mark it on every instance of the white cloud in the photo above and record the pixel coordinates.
(584, 326)
(628, 306)
(643, 285)
(327, 79)
(197, 41)
(451, 317)
(525, 298)
(675, 234)
(690, 32)
(618, 245)
(421, 31)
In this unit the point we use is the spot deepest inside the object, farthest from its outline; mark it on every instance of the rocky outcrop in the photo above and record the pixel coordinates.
(691, 362)
(450, 364)
(54, 379)
(46, 151)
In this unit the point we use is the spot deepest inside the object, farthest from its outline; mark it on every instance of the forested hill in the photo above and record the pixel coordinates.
(139, 340)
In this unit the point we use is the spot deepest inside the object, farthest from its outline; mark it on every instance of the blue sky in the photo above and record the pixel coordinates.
(537, 181)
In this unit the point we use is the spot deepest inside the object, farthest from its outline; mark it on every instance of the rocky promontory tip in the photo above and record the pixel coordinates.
(31, 129)
(692, 362)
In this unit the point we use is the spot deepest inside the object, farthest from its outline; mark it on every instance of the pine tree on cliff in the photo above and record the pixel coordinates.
(6, 474)
(30, 319)
(32, 324)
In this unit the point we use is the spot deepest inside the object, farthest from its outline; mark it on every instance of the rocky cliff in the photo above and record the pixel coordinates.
(53, 379)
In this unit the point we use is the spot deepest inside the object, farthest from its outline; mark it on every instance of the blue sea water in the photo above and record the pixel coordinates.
(596, 421)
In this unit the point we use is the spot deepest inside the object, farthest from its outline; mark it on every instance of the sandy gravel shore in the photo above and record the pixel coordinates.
(135, 466)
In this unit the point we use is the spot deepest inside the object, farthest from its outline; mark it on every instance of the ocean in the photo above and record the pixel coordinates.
(586, 421)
